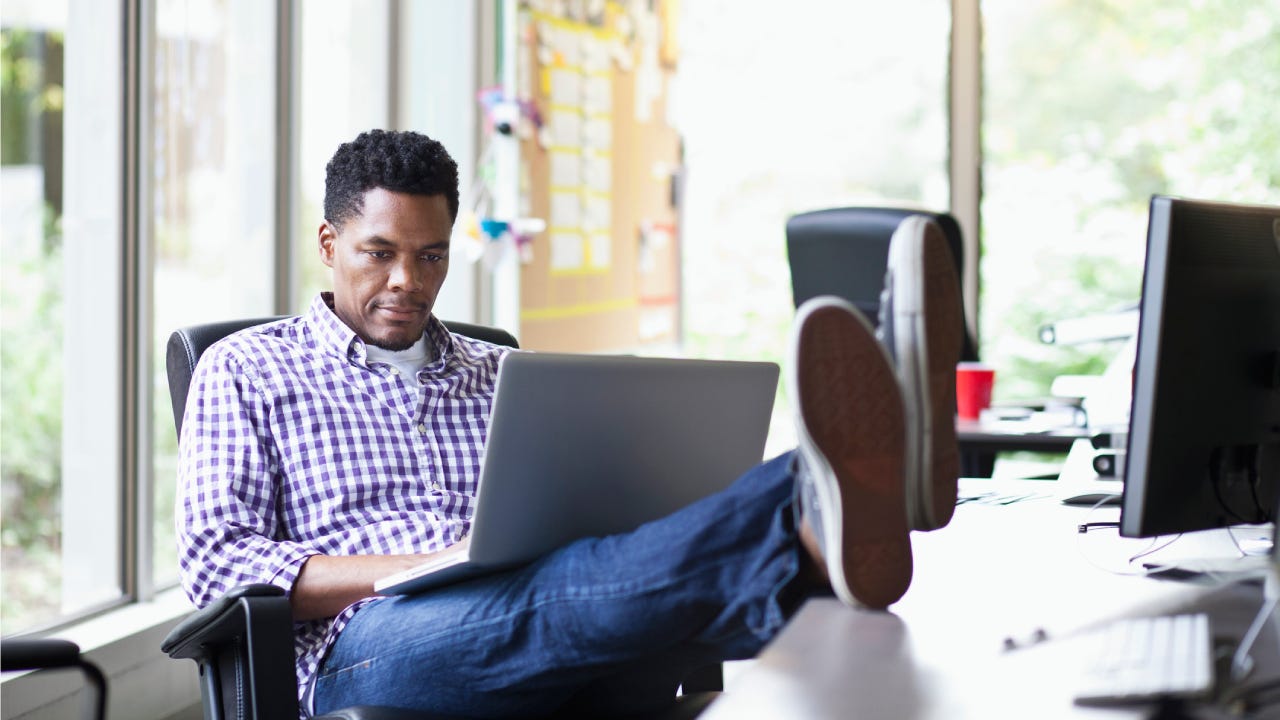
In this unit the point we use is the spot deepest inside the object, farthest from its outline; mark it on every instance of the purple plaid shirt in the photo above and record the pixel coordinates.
(293, 445)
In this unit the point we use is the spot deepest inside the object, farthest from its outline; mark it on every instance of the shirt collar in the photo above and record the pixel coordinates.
(336, 336)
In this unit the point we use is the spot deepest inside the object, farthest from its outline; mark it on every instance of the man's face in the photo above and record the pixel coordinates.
(388, 265)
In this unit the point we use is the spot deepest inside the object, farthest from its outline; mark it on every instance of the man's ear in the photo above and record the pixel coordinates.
(328, 236)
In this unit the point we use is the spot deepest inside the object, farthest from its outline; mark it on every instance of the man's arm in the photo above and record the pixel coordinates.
(327, 584)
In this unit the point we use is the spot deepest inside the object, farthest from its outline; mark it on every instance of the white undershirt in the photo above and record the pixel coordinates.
(407, 362)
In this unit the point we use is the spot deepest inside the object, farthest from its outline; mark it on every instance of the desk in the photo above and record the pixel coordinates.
(979, 442)
(996, 571)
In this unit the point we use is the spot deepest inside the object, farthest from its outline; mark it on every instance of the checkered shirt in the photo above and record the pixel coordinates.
(293, 445)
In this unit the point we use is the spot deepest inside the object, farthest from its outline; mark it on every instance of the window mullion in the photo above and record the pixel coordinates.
(965, 110)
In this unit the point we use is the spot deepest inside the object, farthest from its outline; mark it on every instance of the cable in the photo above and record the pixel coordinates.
(1218, 458)
(1086, 527)
(1151, 546)
(1155, 548)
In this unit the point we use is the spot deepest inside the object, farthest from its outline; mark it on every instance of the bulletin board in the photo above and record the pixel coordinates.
(604, 275)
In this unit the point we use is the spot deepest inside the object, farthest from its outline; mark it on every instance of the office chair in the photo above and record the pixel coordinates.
(243, 641)
(49, 654)
(845, 251)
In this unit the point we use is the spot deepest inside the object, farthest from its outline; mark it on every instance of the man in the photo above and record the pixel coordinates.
(323, 452)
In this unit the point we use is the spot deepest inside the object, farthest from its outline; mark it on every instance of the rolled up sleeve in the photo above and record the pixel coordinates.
(228, 525)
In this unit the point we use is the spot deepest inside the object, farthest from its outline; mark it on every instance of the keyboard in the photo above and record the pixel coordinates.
(1150, 658)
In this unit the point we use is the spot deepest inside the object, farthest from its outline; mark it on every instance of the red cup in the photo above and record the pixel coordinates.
(973, 389)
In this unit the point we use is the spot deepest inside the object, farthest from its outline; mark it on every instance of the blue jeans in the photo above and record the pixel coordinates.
(604, 625)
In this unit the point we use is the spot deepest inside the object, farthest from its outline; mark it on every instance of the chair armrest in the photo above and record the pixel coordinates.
(223, 620)
(243, 643)
(35, 653)
(51, 653)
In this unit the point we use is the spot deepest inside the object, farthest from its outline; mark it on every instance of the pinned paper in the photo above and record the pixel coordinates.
(566, 170)
(621, 55)
(567, 251)
(565, 127)
(566, 210)
(577, 82)
(601, 250)
(566, 87)
(528, 225)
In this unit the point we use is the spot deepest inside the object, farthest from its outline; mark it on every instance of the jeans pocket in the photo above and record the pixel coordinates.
(337, 688)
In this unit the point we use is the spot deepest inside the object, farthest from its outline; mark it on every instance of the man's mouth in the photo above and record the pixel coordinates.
(401, 312)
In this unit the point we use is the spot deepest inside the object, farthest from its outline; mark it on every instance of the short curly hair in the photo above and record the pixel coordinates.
(399, 161)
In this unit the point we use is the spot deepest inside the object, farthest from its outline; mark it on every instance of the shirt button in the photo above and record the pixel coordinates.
(422, 429)
(394, 371)
(435, 486)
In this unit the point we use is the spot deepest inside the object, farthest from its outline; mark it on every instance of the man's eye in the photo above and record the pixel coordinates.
(379, 254)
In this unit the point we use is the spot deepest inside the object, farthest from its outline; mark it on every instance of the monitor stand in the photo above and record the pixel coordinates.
(1242, 660)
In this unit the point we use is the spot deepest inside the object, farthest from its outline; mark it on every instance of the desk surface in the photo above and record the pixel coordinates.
(997, 571)
(981, 441)
(1018, 436)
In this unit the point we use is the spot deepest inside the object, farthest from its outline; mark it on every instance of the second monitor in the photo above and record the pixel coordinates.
(1204, 440)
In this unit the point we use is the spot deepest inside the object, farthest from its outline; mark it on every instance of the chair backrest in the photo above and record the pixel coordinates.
(186, 345)
(844, 252)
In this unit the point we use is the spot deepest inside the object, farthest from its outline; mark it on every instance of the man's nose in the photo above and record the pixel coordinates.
(405, 276)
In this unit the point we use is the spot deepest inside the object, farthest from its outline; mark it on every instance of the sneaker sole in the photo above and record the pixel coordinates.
(928, 325)
(852, 428)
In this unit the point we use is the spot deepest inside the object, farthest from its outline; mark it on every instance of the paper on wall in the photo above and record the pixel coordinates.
(566, 210)
(597, 213)
(601, 250)
(566, 127)
(566, 87)
(597, 173)
(567, 251)
(597, 132)
(597, 94)
(566, 169)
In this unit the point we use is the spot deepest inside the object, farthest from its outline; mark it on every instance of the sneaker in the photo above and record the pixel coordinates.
(922, 325)
(850, 427)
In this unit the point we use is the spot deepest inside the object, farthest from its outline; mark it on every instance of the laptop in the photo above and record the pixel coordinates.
(594, 445)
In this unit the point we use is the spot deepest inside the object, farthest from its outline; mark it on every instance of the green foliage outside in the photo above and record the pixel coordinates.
(31, 433)
(31, 350)
(1102, 103)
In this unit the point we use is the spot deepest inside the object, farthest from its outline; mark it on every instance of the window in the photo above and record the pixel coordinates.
(31, 386)
(111, 243)
(209, 198)
(1090, 108)
(59, 304)
(206, 247)
(786, 110)
(343, 90)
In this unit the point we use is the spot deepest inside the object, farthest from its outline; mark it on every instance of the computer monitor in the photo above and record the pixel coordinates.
(1204, 426)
